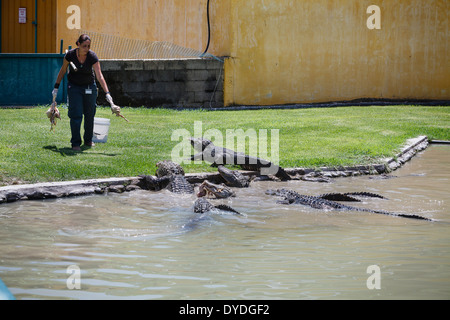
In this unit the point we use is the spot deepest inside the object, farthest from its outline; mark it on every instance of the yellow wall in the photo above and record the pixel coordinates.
(182, 22)
(290, 51)
(293, 51)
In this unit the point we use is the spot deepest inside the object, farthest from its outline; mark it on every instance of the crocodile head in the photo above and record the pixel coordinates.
(200, 144)
(167, 168)
(202, 205)
(216, 190)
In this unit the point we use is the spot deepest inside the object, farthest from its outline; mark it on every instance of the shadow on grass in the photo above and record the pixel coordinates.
(69, 152)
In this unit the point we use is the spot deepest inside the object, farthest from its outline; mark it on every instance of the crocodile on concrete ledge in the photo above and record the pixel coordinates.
(207, 151)
(233, 178)
(292, 197)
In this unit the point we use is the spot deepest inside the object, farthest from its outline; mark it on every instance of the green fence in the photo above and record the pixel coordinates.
(27, 79)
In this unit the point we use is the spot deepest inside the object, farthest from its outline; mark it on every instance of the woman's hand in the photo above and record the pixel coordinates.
(54, 93)
(115, 109)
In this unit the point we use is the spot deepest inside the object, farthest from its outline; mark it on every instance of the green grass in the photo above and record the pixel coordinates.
(314, 137)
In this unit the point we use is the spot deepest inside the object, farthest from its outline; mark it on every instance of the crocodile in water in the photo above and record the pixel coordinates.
(292, 197)
(219, 191)
(202, 205)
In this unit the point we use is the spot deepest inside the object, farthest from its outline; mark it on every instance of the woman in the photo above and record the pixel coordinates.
(82, 90)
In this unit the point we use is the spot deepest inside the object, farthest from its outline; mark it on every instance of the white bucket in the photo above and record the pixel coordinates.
(101, 128)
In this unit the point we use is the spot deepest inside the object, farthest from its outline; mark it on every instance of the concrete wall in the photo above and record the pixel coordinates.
(164, 83)
(306, 51)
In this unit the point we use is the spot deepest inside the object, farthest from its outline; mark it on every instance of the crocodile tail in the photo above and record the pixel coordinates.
(226, 208)
(402, 215)
(365, 194)
(414, 216)
(409, 216)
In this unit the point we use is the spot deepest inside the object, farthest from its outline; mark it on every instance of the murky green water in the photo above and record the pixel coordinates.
(146, 245)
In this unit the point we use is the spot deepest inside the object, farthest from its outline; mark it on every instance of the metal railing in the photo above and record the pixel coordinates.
(108, 46)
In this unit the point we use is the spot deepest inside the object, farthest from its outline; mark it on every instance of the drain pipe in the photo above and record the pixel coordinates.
(209, 28)
(209, 36)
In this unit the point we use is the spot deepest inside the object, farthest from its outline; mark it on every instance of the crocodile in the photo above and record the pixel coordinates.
(219, 191)
(202, 205)
(292, 197)
(169, 175)
(233, 178)
(207, 151)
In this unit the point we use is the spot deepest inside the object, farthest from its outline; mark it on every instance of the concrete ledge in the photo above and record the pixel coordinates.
(63, 184)
(62, 189)
(50, 190)
(412, 147)
(322, 174)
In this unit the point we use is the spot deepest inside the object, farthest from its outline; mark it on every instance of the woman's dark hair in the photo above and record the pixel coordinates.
(83, 38)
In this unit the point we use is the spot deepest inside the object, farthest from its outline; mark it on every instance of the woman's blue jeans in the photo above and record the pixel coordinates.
(81, 103)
